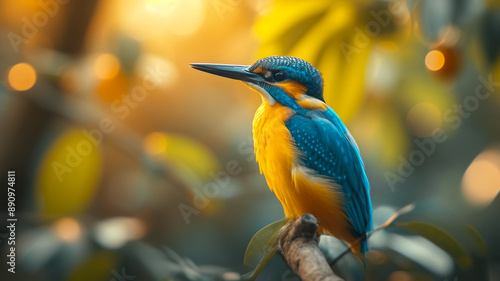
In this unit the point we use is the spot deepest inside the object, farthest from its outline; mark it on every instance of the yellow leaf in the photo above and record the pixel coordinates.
(343, 75)
(99, 266)
(315, 32)
(289, 16)
(335, 23)
(492, 4)
(189, 156)
(68, 174)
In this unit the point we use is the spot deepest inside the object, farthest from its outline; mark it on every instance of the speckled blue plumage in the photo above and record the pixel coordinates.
(328, 149)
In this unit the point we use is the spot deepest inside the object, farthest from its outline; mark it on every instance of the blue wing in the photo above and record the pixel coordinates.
(329, 149)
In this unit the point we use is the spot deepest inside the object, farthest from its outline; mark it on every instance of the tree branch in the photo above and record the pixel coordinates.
(299, 245)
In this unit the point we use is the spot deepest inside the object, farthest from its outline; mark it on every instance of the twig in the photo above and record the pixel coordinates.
(299, 245)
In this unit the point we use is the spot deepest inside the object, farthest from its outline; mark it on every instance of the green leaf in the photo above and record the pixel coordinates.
(441, 239)
(262, 247)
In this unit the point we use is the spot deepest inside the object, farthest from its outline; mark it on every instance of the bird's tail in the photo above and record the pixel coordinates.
(363, 250)
(359, 248)
(364, 247)
(360, 245)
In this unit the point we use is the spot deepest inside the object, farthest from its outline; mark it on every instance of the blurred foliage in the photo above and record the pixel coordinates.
(72, 161)
(262, 247)
(330, 35)
(441, 239)
(478, 241)
(96, 267)
(111, 133)
(191, 157)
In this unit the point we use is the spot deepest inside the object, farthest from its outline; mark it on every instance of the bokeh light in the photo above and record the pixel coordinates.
(377, 257)
(113, 89)
(67, 229)
(161, 6)
(148, 63)
(434, 60)
(174, 11)
(481, 181)
(230, 275)
(160, 17)
(424, 118)
(106, 66)
(22, 76)
(155, 143)
(113, 233)
(400, 276)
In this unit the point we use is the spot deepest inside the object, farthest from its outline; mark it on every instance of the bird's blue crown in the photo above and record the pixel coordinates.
(291, 68)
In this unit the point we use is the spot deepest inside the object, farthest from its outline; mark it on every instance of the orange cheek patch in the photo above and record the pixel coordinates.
(292, 88)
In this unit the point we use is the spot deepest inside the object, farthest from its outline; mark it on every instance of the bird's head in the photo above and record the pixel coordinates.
(289, 81)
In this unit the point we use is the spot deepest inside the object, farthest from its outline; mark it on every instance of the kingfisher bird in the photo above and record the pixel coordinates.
(307, 155)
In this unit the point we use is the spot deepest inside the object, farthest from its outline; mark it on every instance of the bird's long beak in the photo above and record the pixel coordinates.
(238, 72)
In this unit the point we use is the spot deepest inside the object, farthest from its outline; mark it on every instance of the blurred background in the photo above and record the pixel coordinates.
(130, 165)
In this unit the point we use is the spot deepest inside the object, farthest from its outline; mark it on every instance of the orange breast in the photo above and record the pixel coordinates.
(274, 152)
(299, 190)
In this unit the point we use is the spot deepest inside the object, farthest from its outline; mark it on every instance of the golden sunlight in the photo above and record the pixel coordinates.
(67, 229)
(481, 181)
(106, 66)
(155, 143)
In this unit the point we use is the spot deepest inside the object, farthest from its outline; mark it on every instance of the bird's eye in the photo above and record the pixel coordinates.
(279, 76)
